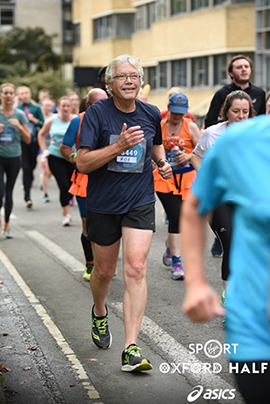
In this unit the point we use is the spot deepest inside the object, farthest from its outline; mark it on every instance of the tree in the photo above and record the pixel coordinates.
(28, 50)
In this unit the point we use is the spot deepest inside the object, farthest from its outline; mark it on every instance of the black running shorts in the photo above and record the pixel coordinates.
(106, 229)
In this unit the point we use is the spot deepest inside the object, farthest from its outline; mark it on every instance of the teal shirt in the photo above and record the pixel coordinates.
(57, 132)
(237, 170)
(10, 137)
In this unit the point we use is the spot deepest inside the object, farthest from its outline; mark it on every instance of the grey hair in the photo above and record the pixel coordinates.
(120, 60)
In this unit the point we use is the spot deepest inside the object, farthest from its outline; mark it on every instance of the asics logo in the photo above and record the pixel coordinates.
(210, 394)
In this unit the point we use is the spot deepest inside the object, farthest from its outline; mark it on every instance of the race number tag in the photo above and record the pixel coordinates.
(176, 168)
(7, 135)
(131, 160)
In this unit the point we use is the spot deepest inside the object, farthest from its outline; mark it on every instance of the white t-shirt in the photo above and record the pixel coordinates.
(209, 137)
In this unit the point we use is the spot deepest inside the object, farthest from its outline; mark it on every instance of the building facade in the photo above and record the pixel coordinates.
(262, 53)
(185, 43)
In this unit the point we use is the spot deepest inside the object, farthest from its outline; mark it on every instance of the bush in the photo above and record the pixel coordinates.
(51, 80)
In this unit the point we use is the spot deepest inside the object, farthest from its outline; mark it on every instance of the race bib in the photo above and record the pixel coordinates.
(176, 168)
(131, 160)
(7, 135)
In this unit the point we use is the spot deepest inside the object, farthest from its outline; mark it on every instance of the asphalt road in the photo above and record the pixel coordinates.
(45, 322)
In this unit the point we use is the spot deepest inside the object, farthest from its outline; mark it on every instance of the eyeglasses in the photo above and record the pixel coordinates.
(123, 77)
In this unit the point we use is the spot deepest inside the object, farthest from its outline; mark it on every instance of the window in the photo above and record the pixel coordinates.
(77, 33)
(151, 14)
(217, 2)
(152, 77)
(197, 4)
(178, 6)
(68, 37)
(145, 16)
(220, 69)
(268, 72)
(162, 9)
(163, 74)
(140, 18)
(6, 16)
(267, 40)
(199, 72)
(111, 26)
(125, 24)
(179, 73)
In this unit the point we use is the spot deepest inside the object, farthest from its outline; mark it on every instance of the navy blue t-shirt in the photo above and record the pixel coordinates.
(126, 182)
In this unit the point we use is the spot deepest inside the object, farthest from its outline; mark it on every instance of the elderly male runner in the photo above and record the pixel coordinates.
(119, 138)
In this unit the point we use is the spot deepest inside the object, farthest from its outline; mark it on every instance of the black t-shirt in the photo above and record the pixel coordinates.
(256, 94)
(127, 181)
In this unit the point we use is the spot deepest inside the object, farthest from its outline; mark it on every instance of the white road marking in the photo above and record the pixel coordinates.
(166, 343)
(56, 251)
(180, 354)
(52, 328)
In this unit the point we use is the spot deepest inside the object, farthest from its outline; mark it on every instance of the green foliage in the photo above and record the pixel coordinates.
(51, 80)
(27, 59)
(28, 49)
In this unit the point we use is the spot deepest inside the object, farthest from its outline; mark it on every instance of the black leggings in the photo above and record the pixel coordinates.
(221, 224)
(172, 205)
(11, 167)
(254, 387)
(62, 170)
(29, 162)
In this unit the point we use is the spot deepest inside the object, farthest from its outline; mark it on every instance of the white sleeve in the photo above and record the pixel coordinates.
(203, 144)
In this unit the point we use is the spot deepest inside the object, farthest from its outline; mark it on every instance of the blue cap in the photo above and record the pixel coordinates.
(178, 103)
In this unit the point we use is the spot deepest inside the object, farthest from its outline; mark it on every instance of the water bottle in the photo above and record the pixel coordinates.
(175, 149)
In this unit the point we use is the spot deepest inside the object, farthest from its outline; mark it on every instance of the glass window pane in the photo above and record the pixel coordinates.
(140, 22)
(162, 9)
(151, 14)
(125, 25)
(178, 6)
(77, 34)
(220, 69)
(197, 4)
(152, 77)
(200, 72)
(163, 74)
(7, 17)
(179, 73)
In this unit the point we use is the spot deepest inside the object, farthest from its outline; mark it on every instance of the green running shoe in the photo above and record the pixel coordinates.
(132, 360)
(101, 335)
(87, 272)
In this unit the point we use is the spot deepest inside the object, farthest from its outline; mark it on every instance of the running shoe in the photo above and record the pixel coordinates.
(87, 271)
(101, 335)
(216, 249)
(223, 302)
(67, 221)
(132, 360)
(29, 204)
(167, 258)
(6, 232)
(45, 199)
(177, 271)
(71, 202)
